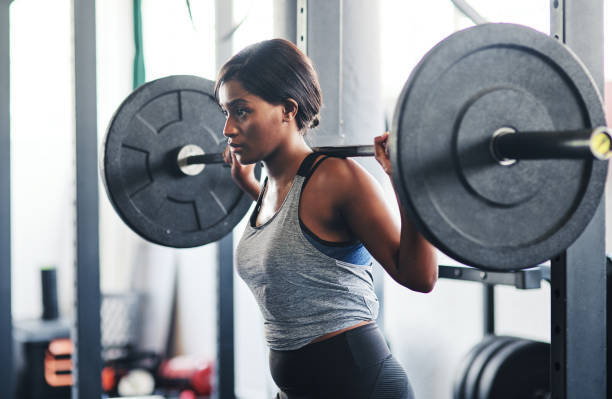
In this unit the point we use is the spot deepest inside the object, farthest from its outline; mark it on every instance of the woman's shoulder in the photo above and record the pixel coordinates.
(341, 176)
(339, 166)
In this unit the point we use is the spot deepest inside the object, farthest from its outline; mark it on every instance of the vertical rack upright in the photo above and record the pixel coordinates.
(578, 275)
(7, 388)
(86, 335)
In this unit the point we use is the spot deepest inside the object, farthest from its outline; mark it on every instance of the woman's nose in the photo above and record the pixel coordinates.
(229, 129)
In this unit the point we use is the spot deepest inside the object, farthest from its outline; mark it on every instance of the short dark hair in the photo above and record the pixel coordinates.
(277, 70)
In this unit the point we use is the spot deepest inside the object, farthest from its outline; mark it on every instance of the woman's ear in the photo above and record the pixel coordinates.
(290, 109)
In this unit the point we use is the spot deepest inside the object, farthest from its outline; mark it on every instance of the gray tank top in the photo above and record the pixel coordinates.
(302, 293)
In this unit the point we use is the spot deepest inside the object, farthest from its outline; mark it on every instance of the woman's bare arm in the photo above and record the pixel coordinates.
(401, 250)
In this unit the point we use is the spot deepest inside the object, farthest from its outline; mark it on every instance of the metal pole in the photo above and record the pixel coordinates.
(224, 387)
(578, 276)
(87, 357)
(469, 12)
(224, 370)
(285, 22)
(7, 371)
(488, 293)
(223, 25)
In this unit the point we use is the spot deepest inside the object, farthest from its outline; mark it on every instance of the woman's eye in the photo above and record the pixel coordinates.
(239, 113)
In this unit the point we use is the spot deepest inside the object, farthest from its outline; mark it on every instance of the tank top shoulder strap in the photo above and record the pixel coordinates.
(253, 218)
(309, 165)
(306, 167)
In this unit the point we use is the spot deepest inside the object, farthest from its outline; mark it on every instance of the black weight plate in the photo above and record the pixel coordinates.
(140, 173)
(474, 373)
(519, 370)
(465, 364)
(472, 208)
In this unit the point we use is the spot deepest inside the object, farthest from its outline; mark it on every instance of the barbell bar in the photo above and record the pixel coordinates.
(506, 146)
(191, 159)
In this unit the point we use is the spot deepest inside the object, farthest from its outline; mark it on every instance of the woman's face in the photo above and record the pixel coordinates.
(253, 126)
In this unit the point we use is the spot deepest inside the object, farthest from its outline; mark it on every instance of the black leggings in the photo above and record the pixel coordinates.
(355, 364)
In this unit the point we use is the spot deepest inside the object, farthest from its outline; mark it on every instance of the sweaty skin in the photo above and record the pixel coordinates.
(341, 202)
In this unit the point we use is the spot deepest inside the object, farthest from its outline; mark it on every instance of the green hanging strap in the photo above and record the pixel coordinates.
(189, 10)
(139, 66)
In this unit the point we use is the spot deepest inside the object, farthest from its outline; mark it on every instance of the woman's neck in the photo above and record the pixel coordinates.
(282, 165)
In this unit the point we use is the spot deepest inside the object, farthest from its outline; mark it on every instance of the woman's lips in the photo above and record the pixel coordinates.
(235, 148)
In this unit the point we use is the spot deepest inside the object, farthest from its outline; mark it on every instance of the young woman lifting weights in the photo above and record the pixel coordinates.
(305, 253)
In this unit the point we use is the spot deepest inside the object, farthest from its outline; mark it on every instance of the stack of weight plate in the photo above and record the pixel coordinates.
(503, 367)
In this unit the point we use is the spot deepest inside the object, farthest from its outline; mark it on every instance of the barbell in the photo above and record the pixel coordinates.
(498, 147)
(505, 149)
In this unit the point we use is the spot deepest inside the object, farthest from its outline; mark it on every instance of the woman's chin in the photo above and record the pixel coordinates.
(244, 159)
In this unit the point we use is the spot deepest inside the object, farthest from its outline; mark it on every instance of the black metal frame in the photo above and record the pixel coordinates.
(488, 308)
(578, 276)
(224, 387)
(224, 369)
(7, 370)
(522, 279)
(86, 335)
